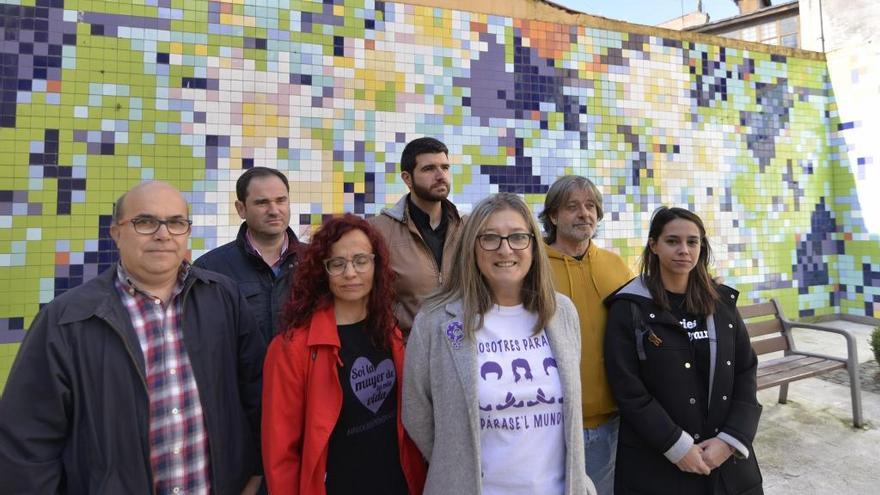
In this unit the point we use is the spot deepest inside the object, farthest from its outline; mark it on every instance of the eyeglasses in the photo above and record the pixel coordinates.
(150, 225)
(517, 242)
(360, 262)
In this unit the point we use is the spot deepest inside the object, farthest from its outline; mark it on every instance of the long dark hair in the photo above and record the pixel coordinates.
(310, 291)
(700, 295)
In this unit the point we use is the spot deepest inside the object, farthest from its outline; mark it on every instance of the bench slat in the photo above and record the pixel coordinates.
(755, 310)
(790, 375)
(785, 363)
(773, 344)
(764, 327)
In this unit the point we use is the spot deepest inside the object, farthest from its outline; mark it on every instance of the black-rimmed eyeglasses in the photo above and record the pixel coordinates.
(517, 242)
(150, 225)
(360, 262)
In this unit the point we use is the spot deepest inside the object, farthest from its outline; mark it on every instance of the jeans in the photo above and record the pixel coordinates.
(600, 451)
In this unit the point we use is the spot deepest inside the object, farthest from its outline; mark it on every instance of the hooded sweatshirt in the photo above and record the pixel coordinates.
(587, 282)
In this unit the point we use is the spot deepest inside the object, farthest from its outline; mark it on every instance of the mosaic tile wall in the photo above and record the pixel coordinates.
(855, 77)
(99, 95)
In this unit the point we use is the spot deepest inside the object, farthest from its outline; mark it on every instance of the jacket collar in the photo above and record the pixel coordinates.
(552, 252)
(322, 328)
(636, 287)
(400, 212)
(293, 244)
(97, 297)
(636, 291)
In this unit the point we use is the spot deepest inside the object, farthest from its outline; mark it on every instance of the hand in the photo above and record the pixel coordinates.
(252, 486)
(715, 451)
(692, 462)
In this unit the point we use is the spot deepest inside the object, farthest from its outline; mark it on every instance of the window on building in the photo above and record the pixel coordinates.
(769, 33)
(788, 31)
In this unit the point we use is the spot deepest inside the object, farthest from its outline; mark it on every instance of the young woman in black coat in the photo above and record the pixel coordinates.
(682, 371)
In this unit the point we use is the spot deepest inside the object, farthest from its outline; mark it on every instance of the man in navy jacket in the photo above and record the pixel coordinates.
(265, 251)
(146, 379)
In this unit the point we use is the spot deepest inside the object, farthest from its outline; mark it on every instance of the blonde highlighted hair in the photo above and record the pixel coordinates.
(466, 282)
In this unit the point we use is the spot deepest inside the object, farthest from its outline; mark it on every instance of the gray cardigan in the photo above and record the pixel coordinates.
(440, 409)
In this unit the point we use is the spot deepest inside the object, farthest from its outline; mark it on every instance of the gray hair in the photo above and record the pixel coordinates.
(559, 193)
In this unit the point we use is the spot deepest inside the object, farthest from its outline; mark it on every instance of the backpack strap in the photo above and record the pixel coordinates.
(640, 329)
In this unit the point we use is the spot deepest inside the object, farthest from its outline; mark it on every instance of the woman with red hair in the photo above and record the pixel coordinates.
(331, 380)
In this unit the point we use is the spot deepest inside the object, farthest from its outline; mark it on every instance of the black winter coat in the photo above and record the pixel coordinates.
(74, 417)
(661, 395)
(265, 292)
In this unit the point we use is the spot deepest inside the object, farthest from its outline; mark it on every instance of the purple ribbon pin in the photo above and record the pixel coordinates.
(455, 334)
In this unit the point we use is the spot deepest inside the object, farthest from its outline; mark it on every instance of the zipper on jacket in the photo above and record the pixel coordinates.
(119, 333)
(437, 269)
(143, 382)
(213, 476)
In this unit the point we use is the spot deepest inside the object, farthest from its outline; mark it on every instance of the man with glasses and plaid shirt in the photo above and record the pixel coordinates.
(145, 379)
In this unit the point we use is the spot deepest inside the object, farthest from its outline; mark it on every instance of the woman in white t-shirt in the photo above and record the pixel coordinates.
(491, 390)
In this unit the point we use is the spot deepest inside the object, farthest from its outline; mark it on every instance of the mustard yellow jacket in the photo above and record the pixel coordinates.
(587, 282)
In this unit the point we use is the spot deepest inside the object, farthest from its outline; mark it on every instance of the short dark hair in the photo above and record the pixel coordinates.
(117, 208)
(245, 180)
(418, 147)
(559, 193)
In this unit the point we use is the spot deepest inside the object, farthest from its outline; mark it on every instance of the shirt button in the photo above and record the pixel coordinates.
(175, 411)
(692, 400)
(723, 397)
(176, 489)
(696, 436)
(173, 371)
(728, 363)
(716, 430)
(157, 301)
(651, 315)
(732, 296)
(687, 365)
(176, 450)
(730, 325)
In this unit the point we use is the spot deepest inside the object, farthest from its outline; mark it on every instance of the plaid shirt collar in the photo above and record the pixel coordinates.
(130, 286)
(249, 245)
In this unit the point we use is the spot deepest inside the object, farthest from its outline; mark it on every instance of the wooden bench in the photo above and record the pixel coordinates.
(771, 332)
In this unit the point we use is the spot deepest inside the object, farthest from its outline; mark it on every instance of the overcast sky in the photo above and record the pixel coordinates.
(651, 12)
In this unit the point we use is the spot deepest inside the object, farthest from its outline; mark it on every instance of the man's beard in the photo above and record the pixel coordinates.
(428, 194)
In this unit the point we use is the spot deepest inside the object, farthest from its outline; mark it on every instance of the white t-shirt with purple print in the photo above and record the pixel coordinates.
(522, 444)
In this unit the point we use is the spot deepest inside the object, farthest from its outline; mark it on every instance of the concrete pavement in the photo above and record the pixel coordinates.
(809, 445)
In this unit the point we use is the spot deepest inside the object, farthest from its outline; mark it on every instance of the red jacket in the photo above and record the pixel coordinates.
(302, 398)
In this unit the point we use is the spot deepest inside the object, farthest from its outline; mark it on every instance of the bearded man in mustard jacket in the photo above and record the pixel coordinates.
(587, 274)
